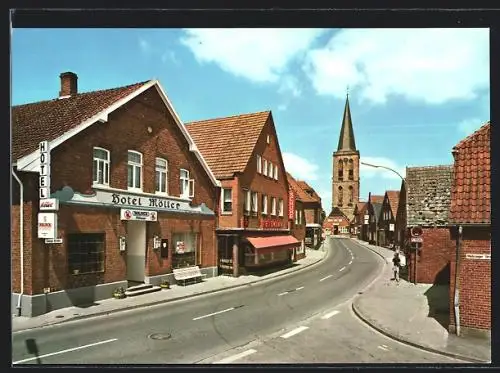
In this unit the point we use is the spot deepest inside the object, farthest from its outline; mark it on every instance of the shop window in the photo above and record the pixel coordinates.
(86, 252)
(184, 249)
(273, 206)
(247, 202)
(259, 164)
(100, 174)
(134, 170)
(227, 200)
(254, 204)
(161, 172)
(264, 204)
(280, 207)
(187, 184)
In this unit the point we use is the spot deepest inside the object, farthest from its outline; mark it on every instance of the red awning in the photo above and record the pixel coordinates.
(274, 242)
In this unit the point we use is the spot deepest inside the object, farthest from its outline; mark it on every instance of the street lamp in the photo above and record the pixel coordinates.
(406, 202)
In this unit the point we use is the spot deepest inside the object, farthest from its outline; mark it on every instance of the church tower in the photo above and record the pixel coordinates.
(345, 180)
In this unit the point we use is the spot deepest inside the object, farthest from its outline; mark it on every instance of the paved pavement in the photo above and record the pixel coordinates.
(414, 314)
(112, 305)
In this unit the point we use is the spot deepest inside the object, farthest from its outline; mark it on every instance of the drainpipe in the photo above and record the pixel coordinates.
(457, 279)
(21, 238)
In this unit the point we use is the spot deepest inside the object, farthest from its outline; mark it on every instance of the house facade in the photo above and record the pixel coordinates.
(470, 228)
(113, 193)
(314, 215)
(296, 215)
(337, 224)
(428, 205)
(374, 209)
(244, 154)
(387, 220)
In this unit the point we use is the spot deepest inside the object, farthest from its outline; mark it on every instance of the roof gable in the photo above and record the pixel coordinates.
(429, 190)
(393, 200)
(471, 189)
(228, 143)
(337, 212)
(299, 192)
(309, 192)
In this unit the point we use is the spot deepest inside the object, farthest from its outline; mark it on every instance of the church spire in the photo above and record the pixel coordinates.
(346, 139)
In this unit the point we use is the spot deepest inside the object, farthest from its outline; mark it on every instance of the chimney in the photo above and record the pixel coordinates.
(69, 84)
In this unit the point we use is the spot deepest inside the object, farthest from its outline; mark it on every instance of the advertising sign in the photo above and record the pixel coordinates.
(142, 215)
(47, 225)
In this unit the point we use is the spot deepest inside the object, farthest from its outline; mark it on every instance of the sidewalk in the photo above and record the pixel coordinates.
(112, 305)
(402, 312)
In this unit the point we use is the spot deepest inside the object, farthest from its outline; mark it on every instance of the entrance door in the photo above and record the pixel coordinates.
(136, 250)
(335, 229)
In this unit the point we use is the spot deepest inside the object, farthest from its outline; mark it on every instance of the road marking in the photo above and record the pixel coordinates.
(350, 262)
(341, 269)
(328, 315)
(383, 347)
(324, 278)
(64, 351)
(294, 331)
(212, 314)
(280, 294)
(300, 288)
(230, 359)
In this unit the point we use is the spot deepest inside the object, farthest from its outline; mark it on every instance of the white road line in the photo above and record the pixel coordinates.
(211, 314)
(383, 348)
(230, 359)
(341, 269)
(330, 314)
(300, 288)
(64, 351)
(280, 294)
(324, 278)
(350, 262)
(294, 331)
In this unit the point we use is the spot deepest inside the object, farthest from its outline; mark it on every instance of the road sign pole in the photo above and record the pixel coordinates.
(416, 258)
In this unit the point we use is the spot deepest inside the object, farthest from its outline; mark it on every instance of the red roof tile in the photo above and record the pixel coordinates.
(48, 120)
(227, 143)
(393, 196)
(300, 193)
(311, 195)
(471, 189)
(376, 199)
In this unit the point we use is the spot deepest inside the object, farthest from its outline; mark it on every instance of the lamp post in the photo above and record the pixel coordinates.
(406, 201)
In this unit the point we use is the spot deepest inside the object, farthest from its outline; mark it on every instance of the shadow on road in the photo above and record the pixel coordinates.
(273, 269)
(32, 348)
(438, 297)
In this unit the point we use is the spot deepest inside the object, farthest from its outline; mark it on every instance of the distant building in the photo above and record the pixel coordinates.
(374, 208)
(296, 215)
(337, 224)
(361, 221)
(314, 214)
(470, 210)
(387, 220)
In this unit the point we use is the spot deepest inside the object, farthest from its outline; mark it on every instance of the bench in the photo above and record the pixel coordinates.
(182, 275)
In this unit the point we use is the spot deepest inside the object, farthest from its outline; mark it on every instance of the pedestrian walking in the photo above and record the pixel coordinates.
(396, 261)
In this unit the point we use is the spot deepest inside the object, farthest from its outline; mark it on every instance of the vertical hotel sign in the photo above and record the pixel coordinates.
(47, 221)
(291, 204)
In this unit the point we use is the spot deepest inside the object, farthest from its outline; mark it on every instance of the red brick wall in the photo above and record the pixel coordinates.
(433, 257)
(71, 164)
(475, 280)
(312, 211)
(231, 220)
(298, 230)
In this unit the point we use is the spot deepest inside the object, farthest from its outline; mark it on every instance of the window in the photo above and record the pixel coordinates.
(246, 202)
(340, 197)
(275, 172)
(302, 217)
(273, 206)
(227, 200)
(134, 170)
(341, 170)
(86, 253)
(270, 168)
(254, 203)
(161, 168)
(259, 164)
(187, 184)
(268, 139)
(184, 249)
(101, 166)
(351, 171)
(264, 167)
(351, 194)
(264, 204)
(280, 207)
(296, 216)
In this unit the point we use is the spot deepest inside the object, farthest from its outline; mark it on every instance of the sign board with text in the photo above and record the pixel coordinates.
(142, 215)
(49, 204)
(47, 225)
(417, 239)
(44, 181)
(478, 256)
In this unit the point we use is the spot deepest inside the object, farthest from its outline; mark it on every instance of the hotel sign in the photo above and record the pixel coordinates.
(44, 158)
(47, 225)
(142, 215)
(47, 221)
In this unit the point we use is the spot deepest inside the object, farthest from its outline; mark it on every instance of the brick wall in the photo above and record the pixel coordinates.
(475, 280)
(433, 258)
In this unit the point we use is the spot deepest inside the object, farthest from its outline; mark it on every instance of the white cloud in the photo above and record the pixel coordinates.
(289, 84)
(300, 168)
(370, 172)
(259, 55)
(468, 126)
(429, 65)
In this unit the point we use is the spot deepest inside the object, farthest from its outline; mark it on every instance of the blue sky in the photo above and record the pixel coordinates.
(414, 93)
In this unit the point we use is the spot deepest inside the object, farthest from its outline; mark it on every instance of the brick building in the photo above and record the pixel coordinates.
(314, 214)
(337, 224)
(387, 220)
(470, 212)
(360, 222)
(244, 154)
(296, 215)
(374, 208)
(132, 198)
(429, 190)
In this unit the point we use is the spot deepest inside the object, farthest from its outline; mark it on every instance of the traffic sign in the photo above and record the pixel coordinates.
(416, 232)
(417, 239)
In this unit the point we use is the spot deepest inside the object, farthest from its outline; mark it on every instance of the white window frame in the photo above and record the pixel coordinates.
(255, 203)
(273, 206)
(264, 204)
(161, 171)
(275, 172)
(296, 216)
(186, 184)
(268, 139)
(247, 202)
(270, 169)
(223, 199)
(259, 164)
(280, 207)
(103, 163)
(135, 166)
(264, 167)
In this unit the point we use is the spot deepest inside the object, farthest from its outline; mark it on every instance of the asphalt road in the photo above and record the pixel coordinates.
(204, 328)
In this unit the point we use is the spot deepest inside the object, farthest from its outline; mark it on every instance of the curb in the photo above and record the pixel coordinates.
(155, 303)
(410, 343)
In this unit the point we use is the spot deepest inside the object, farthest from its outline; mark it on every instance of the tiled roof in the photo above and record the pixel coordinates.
(227, 143)
(429, 190)
(301, 194)
(360, 206)
(337, 212)
(471, 190)
(393, 196)
(376, 199)
(48, 120)
(311, 195)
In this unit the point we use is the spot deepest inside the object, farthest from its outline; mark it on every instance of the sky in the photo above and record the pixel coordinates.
(414, 93)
